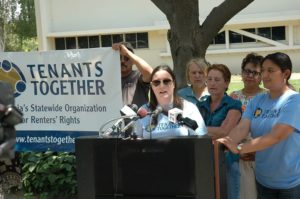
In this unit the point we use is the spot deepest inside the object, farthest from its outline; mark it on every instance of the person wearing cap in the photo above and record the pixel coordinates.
(135, 83)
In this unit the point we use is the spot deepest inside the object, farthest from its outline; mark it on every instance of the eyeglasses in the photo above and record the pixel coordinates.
(124, 58)
(166, 82)
(251, 72)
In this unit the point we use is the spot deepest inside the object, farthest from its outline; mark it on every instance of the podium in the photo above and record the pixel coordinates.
(178, 168)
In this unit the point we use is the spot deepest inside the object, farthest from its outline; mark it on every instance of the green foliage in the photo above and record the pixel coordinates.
(296, 84)
(7, 15)
(26, 22)
(237, 85)
(8, 10)
(15, 44)
(49, 175)
(17, 29)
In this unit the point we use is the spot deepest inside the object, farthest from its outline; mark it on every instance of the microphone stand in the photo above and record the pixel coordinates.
(151, 118)
(101, 132)
(131, 135)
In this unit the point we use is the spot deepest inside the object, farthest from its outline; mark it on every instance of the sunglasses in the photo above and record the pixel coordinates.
(250, 72)
(124, 58)
(166, 82)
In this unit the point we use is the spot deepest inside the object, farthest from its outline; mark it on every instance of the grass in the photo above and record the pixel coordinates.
(296, 84)
(237, 84)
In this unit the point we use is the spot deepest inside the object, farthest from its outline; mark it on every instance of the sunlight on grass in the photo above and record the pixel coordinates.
(237, 84)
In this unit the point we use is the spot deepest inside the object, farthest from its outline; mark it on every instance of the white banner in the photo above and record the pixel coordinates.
(63, 93)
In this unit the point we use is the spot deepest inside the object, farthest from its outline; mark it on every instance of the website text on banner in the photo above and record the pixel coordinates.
(63, 94)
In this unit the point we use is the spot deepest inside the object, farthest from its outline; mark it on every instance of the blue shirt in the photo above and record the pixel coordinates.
(187, 93)
(277, 166)
(218, 116)
(165, 128)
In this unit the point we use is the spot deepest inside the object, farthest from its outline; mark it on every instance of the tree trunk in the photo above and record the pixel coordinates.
(188, 39)
(2, 36)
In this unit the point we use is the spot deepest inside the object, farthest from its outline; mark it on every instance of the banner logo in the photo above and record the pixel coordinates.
(12, 74)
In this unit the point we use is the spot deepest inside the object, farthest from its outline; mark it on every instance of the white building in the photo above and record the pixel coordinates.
(263, 27)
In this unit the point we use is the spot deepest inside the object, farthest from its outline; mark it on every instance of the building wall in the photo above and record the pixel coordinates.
(72, 18)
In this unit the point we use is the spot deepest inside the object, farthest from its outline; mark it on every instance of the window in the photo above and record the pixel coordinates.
(264, 32)
(83, 42)
(278, 33)
(60, 44)
(248, 39)
(274, 33)
(106, 40)
(235, 37)
(131, 38)
(94, 42)
(142, 40)
(138, 40)
(70, 43)
(117, 38)
(220, 38)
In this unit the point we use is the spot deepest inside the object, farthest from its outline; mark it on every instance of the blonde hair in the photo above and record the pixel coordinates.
(201, 63)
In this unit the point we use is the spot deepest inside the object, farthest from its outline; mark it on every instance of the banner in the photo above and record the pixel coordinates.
(62, 94)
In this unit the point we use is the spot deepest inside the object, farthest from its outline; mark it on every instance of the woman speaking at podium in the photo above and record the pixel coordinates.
(163, 99)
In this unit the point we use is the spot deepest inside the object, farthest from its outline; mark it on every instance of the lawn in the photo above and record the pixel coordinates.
(237, 84)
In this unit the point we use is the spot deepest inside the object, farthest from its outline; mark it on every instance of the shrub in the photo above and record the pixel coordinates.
(49, 174)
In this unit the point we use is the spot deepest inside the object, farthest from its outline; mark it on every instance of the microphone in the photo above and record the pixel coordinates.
(126, 112)
(175, 116)
(134, 107)
(129, 110)
(158, 110)
(115, 127)
(141, 113)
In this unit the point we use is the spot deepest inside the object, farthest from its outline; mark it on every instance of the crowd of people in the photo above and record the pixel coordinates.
(258, 125)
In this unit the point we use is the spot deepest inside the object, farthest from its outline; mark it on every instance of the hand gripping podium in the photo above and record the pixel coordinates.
(180, 168)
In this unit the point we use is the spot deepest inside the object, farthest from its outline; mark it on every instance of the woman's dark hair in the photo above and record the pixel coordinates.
(153, 101)
(253, 58)
(283, 61)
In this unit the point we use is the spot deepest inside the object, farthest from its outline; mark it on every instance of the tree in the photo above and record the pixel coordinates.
(7, 14)
(26, 22)
(187, 37)
(17, 25)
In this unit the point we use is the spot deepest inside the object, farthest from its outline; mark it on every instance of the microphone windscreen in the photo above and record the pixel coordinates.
(134, 107)
(142, 112)
(158, 110)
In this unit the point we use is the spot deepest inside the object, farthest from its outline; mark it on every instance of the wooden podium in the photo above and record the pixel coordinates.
(178, 168)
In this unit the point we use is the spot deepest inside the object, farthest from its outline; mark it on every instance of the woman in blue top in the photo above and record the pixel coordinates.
(162, 94)
(196, 76)
(221, 113)
(273, 120)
